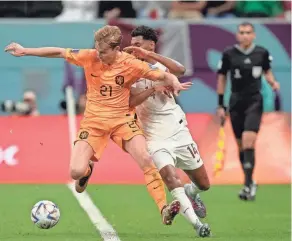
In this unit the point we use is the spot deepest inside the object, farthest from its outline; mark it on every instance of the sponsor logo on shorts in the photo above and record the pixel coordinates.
(120, 80)
(83, 135)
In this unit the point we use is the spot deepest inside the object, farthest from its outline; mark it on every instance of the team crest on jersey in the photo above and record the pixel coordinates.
(83, 135)
(256, 71)
(120, 80)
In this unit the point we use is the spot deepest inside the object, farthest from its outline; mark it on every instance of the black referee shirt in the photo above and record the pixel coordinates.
(246, 67)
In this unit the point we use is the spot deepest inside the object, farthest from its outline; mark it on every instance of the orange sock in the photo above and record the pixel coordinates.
(155, 186)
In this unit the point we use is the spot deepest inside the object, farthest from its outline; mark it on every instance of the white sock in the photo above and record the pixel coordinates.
(193, 189)
(186, 207)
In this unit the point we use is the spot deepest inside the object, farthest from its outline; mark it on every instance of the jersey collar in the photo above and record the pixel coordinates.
(245, 51)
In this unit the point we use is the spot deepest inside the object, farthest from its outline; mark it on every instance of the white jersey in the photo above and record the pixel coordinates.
(159, 115)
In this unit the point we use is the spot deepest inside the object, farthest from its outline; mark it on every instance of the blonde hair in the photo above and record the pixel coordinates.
(111, 35)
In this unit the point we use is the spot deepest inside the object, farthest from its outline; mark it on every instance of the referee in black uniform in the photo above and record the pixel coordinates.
(246, 63)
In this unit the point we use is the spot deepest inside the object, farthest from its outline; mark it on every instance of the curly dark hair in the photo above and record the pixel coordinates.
(146, 32)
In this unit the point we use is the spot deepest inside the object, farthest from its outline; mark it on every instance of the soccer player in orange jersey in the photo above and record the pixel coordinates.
(110, 74)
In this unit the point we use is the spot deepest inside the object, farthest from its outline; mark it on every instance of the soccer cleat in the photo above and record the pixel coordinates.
(204, 230)
(197, 203)
(248, 193)
(80, 185)
(169, 212)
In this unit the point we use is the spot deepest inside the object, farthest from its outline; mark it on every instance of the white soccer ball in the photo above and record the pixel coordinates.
(45, 214)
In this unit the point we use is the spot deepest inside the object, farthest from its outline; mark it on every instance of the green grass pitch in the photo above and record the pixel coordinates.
(135, 217)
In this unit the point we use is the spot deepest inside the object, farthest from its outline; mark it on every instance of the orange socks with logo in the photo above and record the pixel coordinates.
(155, 186)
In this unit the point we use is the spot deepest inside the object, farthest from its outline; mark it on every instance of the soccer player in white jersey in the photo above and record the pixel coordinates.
(165, 127)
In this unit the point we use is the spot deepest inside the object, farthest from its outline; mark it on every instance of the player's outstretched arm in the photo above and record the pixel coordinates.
(173, 66)
(172, 80)
(145, 70)
(138, 99)
(17, 50)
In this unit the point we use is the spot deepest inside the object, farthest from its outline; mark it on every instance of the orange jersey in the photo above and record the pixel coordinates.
(108, 86)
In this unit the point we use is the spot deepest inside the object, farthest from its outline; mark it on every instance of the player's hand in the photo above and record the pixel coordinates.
(167, 90)
(137, 52)
(221, 113)
(177, 87)
(15, 49)
(276, 85)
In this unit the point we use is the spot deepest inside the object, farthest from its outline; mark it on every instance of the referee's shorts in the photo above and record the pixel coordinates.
(245, 113)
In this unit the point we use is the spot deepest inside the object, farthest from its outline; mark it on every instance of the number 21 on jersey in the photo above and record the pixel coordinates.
(106, 90)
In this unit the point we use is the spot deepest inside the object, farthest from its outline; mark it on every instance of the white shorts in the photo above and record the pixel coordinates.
(182, 152)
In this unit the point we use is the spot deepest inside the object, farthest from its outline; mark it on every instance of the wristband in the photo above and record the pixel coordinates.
(220, 100)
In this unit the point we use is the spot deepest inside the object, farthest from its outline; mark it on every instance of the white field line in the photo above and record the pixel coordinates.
(106, 231)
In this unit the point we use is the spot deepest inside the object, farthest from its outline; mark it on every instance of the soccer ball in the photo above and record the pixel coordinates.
(45, 214)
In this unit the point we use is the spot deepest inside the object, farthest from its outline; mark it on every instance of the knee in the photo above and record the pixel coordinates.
(203, 183)
(146, 160)
(239, 144)
(204, 186)
(248, 140)
(76, 173)
(172, 181)
(248, 144)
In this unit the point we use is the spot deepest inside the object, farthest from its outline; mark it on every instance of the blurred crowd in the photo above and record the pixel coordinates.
(112, 10)
(90, 10)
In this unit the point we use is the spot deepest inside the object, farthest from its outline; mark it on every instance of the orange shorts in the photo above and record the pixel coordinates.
(97, 132)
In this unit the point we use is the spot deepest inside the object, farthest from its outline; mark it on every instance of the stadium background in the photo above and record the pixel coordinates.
(35, 150)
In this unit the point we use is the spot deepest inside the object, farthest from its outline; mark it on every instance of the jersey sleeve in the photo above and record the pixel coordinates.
(267, 61)
(145, 70)
(78, 57)
(224, 64)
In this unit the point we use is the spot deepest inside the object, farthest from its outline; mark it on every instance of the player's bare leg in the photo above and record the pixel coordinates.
(241, 153)
(81, 184)
(80, 165)
(248, 192)
(136, 147)
(171, 179)
(200, 182)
